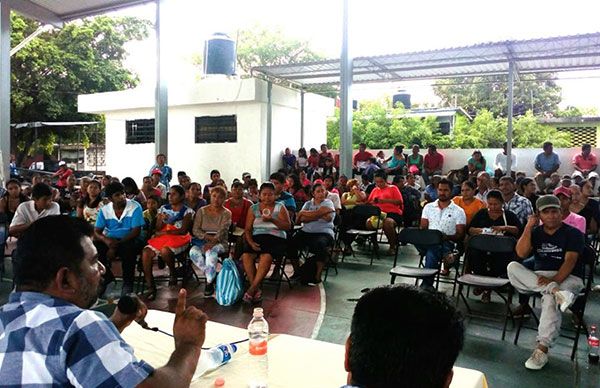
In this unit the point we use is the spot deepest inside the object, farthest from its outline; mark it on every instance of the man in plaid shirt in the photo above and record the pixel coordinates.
(50, 338)
(514, 202)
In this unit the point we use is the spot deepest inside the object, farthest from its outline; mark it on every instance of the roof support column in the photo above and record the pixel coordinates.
(345, 99)
(4, 90)
(302, 118)
(509, 131)
(161, 104)
(267, 167)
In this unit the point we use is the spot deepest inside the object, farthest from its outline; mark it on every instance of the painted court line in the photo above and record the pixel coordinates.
(319, 321)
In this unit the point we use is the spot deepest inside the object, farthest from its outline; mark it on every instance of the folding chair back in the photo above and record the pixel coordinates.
(492, 244)
(423, 237)
(366, 211)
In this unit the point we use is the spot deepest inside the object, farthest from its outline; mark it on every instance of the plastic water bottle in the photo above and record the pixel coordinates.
(214, 357)
(594, 344)
(258, 333)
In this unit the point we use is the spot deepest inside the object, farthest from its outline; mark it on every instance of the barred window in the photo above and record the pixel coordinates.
(216, 129)
(139, 131)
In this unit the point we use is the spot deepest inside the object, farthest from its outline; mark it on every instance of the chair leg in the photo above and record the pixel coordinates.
(393, 280)
(580, 325)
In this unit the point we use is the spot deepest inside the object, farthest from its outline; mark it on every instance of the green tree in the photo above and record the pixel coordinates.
(85, 56)
(528, 133)
(536, 92)
(259, 46)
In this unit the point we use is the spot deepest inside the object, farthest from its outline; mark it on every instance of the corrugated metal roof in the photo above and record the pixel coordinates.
(57, 11)
(575, 52)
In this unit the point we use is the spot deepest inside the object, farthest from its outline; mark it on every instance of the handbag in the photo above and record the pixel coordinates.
(229, 288)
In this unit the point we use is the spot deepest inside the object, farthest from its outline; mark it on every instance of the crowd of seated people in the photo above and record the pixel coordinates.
(157, 221)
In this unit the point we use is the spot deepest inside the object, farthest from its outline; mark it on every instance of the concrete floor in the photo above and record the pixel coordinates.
(501, 361)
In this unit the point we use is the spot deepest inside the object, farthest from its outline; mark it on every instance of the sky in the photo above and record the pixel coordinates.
(376, 27)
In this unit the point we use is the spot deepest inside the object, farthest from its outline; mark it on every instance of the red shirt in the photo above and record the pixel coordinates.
(62, 177)
(362, 156)
(585, 163)
(433, 162)
(238, 213)
(388, 192)
(313, 161)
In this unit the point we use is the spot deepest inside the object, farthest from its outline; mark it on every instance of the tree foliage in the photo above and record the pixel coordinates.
(85, 56)
(536, 92)
(260, 46)
(381, 127)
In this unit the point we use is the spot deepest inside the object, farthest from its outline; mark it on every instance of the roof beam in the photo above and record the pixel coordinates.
(34, 11)
(103, 9)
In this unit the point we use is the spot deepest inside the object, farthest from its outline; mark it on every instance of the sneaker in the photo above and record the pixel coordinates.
(537, 360)
(564, 299)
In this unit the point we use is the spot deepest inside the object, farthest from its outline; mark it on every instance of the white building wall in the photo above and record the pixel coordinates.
(457, 158)
(247, 99)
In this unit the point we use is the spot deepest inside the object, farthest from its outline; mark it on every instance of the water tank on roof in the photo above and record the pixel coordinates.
(402, 97)
(219, 55)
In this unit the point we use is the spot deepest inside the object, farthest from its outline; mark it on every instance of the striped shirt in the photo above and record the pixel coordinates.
(118, 228)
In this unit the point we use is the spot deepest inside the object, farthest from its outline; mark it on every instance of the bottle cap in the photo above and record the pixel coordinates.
(219, 382)
(258, 312)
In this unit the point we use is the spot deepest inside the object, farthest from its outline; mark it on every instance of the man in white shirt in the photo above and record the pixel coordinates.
(40, 206)
(447, 217)
(502, 159)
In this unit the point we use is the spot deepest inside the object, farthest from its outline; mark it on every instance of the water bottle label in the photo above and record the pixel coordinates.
(594, 342)
(226, 353)
(258, 348)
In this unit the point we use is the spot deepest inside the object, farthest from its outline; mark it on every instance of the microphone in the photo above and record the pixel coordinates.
(129, 304)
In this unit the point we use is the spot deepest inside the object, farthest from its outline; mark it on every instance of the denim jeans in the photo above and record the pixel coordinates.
(433, 255)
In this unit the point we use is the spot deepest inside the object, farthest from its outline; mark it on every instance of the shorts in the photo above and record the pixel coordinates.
(396, 217)
(275, 246)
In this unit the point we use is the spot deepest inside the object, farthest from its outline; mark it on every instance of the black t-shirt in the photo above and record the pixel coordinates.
(590, 212)
(550, 250)
(482, 219)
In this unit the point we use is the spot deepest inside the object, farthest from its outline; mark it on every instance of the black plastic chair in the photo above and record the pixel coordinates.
(365, 212)
(424, 238)
(578, 307)
(494, 245)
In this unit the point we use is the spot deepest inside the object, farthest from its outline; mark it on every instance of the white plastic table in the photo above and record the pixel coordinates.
(293, 361)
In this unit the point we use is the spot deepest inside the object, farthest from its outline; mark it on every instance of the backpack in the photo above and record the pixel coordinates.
(229, 288)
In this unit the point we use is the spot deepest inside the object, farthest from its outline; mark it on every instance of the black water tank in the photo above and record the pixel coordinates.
(402, 97)
(219, 55)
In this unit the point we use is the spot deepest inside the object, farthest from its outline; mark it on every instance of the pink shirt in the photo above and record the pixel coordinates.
(583, 163)
(576, 221)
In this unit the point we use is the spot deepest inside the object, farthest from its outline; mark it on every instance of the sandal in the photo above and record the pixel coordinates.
(247, 298)
(486, 297)
(257, 296)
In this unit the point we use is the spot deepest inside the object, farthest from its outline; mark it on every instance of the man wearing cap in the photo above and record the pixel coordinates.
(165, 171)
(118, 226)
(483, 185)
(557, 273)
(585, 162)
(156, 177)
(564, 194)
(546, 163)
(576, 177)
(63, 173)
